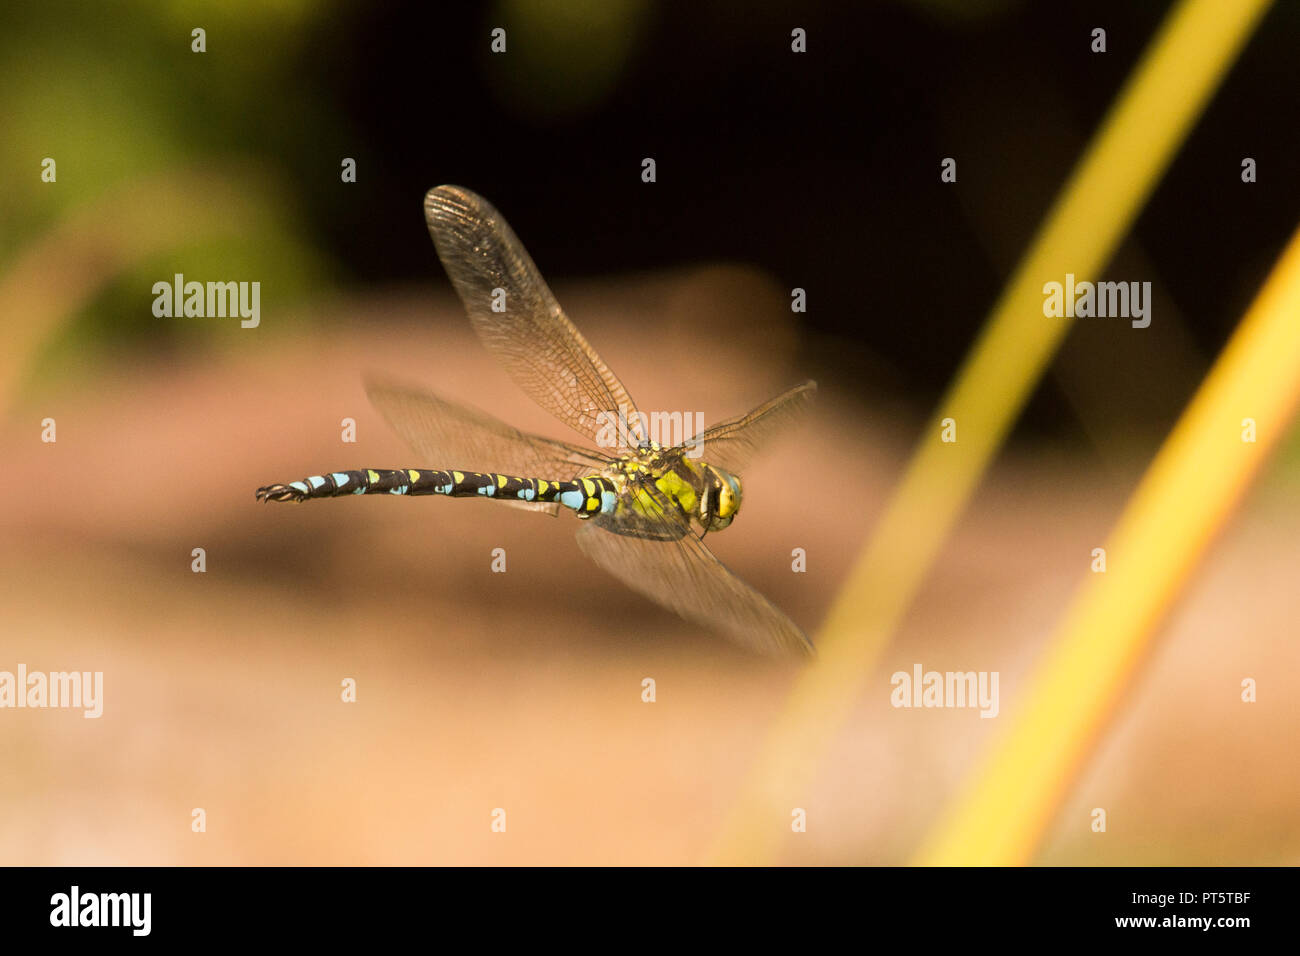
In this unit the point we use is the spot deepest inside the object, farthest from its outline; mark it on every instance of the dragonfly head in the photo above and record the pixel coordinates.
(721, 499)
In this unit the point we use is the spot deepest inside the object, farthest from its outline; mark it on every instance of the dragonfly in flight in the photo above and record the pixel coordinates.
(640, 507)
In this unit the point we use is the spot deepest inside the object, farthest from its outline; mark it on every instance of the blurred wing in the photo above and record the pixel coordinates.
(540, 348)
(731, 444)
(683, 575)
(446, 435)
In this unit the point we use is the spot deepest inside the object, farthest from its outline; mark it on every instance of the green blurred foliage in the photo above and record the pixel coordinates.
(115, 95)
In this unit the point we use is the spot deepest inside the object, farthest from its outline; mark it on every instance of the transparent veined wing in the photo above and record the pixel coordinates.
(447, 435)
(540, 348)
(675, 568)
(732, 444)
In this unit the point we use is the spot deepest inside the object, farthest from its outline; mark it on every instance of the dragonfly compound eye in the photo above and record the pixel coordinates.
(723, 499)
(729, 496)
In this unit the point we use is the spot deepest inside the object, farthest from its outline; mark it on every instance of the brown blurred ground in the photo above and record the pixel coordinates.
(522, 690)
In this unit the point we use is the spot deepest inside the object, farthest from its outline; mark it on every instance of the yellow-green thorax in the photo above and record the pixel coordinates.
(705, 494)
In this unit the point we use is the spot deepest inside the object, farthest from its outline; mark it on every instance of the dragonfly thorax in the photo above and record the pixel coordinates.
(657, 484)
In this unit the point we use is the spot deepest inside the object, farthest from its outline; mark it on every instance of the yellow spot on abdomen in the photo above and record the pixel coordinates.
(373, 476)
(458, 476)
(415, 475)
(501, 481)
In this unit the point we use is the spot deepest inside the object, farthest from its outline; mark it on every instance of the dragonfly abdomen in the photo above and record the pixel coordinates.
(587, 496)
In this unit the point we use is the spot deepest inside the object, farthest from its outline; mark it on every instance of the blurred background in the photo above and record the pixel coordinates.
(523, 690)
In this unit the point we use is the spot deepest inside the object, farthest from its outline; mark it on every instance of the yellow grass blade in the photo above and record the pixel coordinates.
(1201, 472)
(1184, 64)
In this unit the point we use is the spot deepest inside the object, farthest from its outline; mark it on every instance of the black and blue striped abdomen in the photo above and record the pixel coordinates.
(587, 496)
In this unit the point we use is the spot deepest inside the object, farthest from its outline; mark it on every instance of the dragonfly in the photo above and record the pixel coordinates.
(645, 508)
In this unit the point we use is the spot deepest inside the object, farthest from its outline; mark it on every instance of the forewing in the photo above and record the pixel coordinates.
(684, 575)
(446, 435)
(542, 350)
(731, 445)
